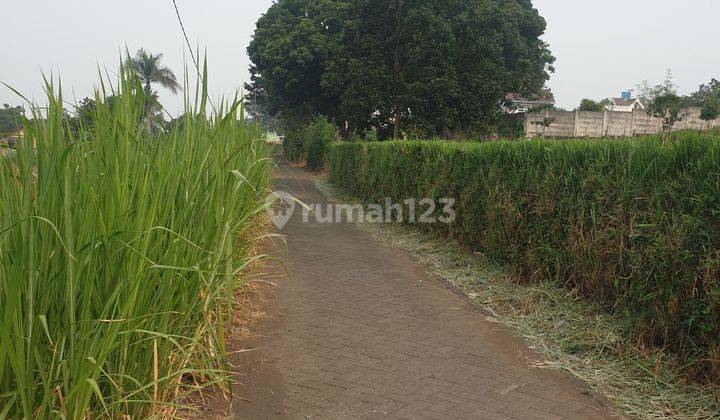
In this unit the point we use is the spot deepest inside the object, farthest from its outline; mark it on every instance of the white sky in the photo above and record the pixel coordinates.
(602, 47)
(607, 46)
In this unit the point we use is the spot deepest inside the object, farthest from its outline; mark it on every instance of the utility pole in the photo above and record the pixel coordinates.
(255, 106)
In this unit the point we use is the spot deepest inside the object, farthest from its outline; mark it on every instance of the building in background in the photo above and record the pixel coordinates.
(625, 103)
(517, 103)
(12, 139)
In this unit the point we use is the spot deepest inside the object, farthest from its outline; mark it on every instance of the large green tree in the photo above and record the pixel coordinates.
(294, 44)
(429, 67)
(10, 118)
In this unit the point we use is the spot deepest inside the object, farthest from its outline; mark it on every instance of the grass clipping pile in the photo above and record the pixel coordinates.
(574, 335)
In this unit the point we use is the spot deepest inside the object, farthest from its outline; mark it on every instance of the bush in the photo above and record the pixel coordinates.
(293, 121)
(317, 138)
(293, 145)
(632, 224)
(308, 141)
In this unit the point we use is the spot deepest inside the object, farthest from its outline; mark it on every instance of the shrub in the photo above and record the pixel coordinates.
(293, 122)
(119, 255)
(710, 109)
(633, 224)
(317, 138)
(667, 107)
(293, 145)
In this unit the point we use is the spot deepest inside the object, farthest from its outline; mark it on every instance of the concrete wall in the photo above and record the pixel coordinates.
(643, 124)
(608, 123)
(563, 126)
(589, 124)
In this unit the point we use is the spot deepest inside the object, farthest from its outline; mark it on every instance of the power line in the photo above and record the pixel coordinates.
(192, 55)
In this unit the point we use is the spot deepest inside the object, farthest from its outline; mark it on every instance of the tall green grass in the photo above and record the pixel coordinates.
(119, 253)
(633, 224)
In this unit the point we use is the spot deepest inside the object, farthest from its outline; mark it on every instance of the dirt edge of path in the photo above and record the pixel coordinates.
(255, 316)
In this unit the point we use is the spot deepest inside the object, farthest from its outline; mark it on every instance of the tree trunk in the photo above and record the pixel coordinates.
(148, 106)
(345, 132)
(396, 69)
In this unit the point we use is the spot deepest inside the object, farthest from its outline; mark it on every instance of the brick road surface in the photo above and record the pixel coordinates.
(360, 330)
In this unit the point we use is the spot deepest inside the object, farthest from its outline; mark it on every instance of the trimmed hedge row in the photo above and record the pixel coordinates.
(633, 224)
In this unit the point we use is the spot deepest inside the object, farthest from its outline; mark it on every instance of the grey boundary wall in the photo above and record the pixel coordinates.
(567, 124)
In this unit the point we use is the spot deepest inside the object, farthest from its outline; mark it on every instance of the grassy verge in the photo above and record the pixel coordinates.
(120, 250)
(575, 336)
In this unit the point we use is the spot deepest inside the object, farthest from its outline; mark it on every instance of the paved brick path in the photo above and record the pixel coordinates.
(361, 330)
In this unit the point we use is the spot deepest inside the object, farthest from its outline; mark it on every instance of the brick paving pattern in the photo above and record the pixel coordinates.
(360, 330)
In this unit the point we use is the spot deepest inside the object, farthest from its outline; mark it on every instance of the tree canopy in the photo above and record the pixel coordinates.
(592, 105)
(666, 106)
(708, 97)
(10, 118)
(428, 67)
(151, 72)
(663, 100)
(710, 109)
(647, 93)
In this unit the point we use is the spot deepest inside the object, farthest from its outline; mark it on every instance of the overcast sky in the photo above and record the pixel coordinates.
(602, 47)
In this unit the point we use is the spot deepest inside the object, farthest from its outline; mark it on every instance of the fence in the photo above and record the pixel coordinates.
(608, 123)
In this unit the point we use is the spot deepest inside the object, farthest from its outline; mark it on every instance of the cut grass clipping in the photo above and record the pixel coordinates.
(120, 249)
(575, 336)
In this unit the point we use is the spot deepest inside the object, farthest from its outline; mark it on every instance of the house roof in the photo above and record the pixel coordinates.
(544, 96)
(625, 102)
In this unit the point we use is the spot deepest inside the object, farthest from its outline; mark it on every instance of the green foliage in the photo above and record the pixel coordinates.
(630, 224)
(710, 109)
(11, 119)
(706, 92)
(293, 145)
(85, 113)
(317, 138)
(412, 66)
(708, 98)
(119, 256)
(294, 43)
(511, 126)
(647, 93)
(664, 102)
(590, 105)
(667, 107)
(545, 122)
(146, 66)
(293, 122)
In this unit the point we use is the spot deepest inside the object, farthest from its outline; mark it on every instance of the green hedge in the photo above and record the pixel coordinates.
(632, 224)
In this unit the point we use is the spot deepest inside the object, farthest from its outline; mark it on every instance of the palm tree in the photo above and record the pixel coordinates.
(149, 71)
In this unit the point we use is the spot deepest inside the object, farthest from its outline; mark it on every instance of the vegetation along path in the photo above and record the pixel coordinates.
(357, 329)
